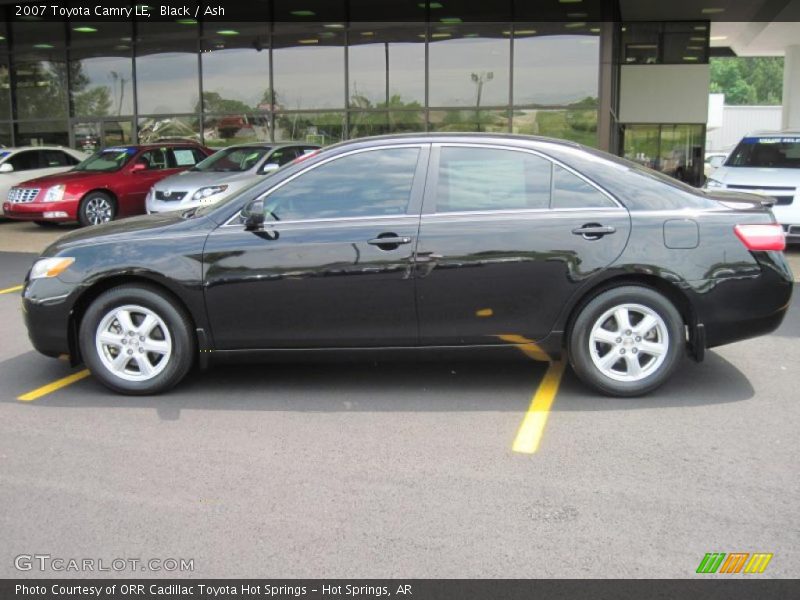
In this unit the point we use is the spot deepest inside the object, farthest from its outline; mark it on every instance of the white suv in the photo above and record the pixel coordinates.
(767, 164)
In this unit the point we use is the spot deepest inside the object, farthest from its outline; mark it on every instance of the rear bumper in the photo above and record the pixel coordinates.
(739, 308)
(41, 211)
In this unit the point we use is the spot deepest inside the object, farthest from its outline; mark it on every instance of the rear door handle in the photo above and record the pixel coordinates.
(594, 231)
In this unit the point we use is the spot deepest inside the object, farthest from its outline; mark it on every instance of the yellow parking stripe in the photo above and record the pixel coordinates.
(532, 427)
(52, 387)
(16, 288)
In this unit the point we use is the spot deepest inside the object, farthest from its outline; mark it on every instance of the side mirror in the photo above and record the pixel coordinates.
(253, 215)
(138, 167)
(6, 167)
(270, 167)
(716, 161)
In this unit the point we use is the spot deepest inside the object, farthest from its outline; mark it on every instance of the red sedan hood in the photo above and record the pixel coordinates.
(57, 178)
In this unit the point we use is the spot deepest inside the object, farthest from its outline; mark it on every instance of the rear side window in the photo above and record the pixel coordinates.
(570, 191)
(480, 179)
(184, 157)
(373, 183)
(57, 158)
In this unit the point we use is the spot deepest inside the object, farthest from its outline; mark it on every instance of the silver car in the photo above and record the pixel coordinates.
(222, 174)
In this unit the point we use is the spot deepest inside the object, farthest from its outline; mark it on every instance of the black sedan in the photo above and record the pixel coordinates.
(416, 243)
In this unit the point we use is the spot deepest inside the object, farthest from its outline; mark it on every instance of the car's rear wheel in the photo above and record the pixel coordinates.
(97, 208)
(627, 341)
(135, 341)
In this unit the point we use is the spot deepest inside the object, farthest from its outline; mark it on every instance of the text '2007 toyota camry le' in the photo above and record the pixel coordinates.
(422, 242)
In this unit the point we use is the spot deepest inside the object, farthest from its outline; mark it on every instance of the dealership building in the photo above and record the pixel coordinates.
(628, 76)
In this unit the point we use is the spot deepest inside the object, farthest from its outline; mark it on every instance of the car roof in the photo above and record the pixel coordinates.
(456, 137)
(269, 145)
(773, 133)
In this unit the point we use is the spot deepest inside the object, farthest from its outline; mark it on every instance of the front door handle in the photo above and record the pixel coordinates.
(389, 241)
(594, 231)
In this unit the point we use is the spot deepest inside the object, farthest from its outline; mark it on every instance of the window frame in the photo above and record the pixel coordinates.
(413, 207)
(431, 188)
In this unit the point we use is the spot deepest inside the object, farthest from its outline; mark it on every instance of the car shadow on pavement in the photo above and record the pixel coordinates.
(397, 386)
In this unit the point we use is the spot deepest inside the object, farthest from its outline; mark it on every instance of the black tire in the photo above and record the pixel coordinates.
(580, 345)
(180, 334)
(47, 224)
(97, 208)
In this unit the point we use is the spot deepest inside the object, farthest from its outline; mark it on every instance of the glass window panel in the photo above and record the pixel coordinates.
(680, 154)
(309, 66)
(641, 43)
(313, 128)
(101, 69)
(39, 133)
(238, 128)
(469, 65)
(473, 179)
(5, 134)
(363, 124)
(372, 183)
(575, 124)
(236, 68)
(38, 36)
(640, 144)
(5, 90)
(570, 191)
(167, 129)
(552, 68)
(469, 120)
(41, 88)
(386, 66)
(167, 76)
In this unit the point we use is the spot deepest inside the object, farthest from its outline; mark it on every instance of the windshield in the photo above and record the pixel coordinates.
(776, 152)
(107, 160)
(236, 159)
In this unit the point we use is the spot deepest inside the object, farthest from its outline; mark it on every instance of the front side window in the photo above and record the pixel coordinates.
(25, 161)
(366, 184)
(774, 152)
(570, 191)
(154, 159)
(481, 179)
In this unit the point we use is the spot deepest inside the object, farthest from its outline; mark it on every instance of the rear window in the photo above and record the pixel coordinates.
(775, 152)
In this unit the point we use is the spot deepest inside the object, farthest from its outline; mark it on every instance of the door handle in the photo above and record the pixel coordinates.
(594, 231)
(389, 241)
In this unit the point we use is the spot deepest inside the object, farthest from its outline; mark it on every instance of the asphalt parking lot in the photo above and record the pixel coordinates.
(437, 469)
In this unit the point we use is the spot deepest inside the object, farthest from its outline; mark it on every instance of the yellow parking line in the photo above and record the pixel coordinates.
(52, 387)
(532, 427)
(16, 288)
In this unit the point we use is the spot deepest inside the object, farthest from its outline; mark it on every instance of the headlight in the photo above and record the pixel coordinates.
(50, 267)
(713, 183)
(205, 192)
(55, 193)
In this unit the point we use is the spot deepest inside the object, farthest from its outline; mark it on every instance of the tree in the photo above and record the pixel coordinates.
(748, 80)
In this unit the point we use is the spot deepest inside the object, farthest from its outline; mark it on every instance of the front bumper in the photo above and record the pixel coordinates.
(41, 211)
(47, 308)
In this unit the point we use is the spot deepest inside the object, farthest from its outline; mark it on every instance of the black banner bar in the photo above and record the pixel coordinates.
(712, 588)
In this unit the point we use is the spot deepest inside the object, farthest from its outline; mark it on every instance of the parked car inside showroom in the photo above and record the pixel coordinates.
(111, 183)
(421, 242)
(27, 162)
(768, 164)
(222, 174)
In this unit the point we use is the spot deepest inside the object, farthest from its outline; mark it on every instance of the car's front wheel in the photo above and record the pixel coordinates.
(97, 208)
(627, 341)
(135, 341)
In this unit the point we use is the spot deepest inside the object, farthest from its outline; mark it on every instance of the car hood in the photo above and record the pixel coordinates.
(126, 230)
(65, 177)
(757, 176)
(191, 180)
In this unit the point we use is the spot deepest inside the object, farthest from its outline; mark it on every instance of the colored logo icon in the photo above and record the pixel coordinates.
(735, 562)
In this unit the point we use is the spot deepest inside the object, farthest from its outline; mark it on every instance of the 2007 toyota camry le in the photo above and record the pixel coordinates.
(421, 242)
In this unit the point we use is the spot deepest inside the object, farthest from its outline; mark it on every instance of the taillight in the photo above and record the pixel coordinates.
(761, 237)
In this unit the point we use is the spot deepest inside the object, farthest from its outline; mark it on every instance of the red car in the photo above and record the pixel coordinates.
(111, 183)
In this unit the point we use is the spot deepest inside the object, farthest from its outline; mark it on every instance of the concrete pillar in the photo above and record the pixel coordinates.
(791, 88)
